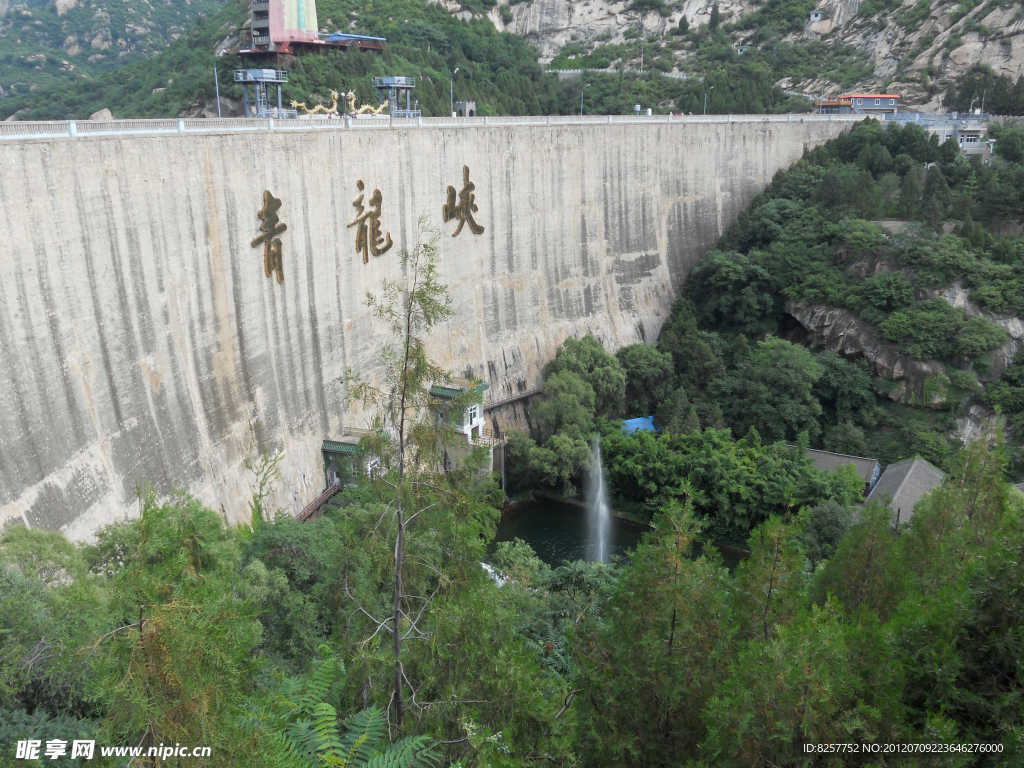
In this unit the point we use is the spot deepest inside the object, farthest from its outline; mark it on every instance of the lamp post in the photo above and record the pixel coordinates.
(216, 85)
(706, 98)
(451, 91)
(582, 91)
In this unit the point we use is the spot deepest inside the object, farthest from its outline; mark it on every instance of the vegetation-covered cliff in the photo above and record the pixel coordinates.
(749, 53)
(43, 42)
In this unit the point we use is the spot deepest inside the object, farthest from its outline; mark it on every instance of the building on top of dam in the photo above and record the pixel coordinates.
(157, 315)
(282, 27)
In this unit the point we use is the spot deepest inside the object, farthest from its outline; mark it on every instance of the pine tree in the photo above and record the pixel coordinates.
(692, 422)
(407, 435)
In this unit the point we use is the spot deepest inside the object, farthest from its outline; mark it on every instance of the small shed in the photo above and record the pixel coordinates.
(643, 424)
(471, 422)
(343, 461)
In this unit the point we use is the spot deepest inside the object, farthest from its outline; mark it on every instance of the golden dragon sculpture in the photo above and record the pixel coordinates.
(366, 109)
(350, 97)
(319, 108)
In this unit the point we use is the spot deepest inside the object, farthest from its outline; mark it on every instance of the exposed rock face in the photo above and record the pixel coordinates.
(953, 46)
(103, 114)
(843, 331)
(919, 381)
(897, 55)
(1001, 357)
(208, 108)
(87, 33)
(102, 40)
(975, 424)
(552, 24)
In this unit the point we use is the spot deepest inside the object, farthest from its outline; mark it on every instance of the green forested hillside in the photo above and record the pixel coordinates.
(499, 71)
(373, 636)
(863, 224)
(43, 42)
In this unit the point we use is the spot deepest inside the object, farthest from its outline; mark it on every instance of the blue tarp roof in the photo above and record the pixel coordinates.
(645, 424)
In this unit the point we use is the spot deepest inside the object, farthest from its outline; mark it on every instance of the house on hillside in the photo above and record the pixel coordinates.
(868, 469)
(470, 421)
(873, 103)
(903, 484)
(343, 458)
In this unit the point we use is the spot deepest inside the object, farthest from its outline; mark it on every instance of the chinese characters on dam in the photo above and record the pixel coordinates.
(369, 239)
(271, 228)
(465, 208)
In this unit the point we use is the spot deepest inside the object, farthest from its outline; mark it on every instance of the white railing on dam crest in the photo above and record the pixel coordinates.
(83, 128)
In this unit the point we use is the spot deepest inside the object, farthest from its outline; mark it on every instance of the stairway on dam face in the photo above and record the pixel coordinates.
(141, 338)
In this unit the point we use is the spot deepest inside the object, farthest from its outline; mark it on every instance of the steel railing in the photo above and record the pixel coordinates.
(77, 128)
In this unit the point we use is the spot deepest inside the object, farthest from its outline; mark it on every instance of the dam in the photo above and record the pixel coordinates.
(178, 293)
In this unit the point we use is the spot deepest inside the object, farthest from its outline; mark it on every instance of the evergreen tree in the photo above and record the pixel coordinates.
(410, 433)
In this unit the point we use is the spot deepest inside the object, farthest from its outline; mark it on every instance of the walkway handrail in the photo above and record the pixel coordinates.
(19, 130)
(510, 399)
(317, 504)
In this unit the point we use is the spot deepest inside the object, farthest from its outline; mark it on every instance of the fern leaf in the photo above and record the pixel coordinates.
(364, 733)
(325, 727)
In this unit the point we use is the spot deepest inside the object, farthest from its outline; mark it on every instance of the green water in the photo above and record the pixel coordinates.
(558, 532)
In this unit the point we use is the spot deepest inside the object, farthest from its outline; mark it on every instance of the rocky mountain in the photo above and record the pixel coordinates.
(46, 41)
(918, 48)
(915, 47)
(554, 24)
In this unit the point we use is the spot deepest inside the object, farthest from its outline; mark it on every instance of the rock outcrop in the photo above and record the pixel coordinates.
(917, 382)
(553, 24)
(1000, 358)
(977, 422)
(910, 57)
(208, 108)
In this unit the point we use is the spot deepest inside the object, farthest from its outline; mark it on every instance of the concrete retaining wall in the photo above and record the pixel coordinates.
(140, 340)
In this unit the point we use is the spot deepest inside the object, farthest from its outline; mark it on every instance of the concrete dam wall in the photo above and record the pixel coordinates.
(141, 340)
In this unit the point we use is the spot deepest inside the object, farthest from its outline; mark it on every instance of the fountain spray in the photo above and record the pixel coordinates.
(599, 516)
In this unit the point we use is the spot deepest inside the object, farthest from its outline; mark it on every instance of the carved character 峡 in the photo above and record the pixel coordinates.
(465, 208)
